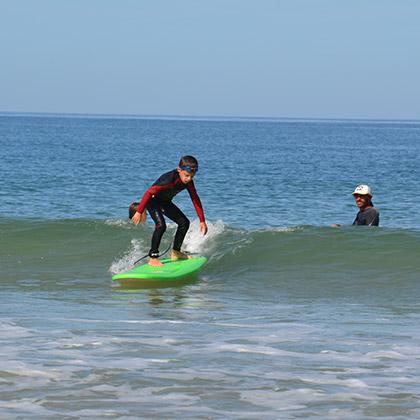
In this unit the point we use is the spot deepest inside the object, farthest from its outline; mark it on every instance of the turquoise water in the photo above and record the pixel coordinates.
(289, 318)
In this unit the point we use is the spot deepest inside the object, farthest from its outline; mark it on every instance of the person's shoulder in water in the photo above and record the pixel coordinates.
(368, 214)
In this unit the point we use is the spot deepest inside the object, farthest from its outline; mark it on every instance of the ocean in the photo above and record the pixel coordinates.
(289, 319)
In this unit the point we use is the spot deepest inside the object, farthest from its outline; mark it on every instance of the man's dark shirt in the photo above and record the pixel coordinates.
(369, 217)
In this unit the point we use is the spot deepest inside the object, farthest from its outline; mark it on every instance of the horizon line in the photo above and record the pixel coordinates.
(203, 117)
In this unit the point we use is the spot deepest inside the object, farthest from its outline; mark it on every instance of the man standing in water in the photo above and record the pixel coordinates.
(368, 215)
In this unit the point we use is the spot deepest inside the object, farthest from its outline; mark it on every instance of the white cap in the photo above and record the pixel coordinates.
(363, 189)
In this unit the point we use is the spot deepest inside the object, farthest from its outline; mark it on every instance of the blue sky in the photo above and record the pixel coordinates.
(265, 58)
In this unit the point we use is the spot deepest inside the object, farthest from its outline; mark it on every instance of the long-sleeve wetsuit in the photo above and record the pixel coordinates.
(157, 200)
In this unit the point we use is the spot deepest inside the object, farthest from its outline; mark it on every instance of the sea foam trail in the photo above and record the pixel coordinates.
(195, 243)
(136, 251)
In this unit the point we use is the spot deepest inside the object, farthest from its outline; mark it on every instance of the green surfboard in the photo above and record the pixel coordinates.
(171, 270)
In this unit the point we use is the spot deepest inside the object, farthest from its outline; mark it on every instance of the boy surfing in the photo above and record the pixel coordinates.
(157, 200)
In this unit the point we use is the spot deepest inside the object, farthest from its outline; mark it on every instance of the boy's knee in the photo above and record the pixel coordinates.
(160, 226)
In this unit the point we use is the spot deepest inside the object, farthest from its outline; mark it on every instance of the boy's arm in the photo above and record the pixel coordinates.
(145, 199)
(140, 215)
(154, 189)
(196, 201)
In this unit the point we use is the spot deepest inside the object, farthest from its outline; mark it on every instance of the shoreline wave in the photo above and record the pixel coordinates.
(113, 246)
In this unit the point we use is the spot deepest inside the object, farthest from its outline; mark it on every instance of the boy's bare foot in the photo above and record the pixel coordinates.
(178, 255)
(155, 262)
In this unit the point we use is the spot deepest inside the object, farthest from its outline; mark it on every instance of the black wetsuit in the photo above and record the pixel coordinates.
(158, 202)
(369, 217)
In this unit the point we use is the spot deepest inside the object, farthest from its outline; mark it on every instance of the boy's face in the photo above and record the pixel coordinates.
(185, 176)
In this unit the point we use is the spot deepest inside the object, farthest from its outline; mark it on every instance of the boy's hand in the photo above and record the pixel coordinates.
(139, 217)
(203, 228)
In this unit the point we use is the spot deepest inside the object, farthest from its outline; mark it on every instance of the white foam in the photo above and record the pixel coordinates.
(21, 369)
(127, 261)
(283, 401)
(255, 349)
(192, 374)
(25, 406)
(129, 363)
(10, 330)
(350, 396)
(160, 342)
(195, 242)
(125, 321)
(282, 229)
(408, 350)
(118, 222)
(104, 413)
(348, 383)
(386, 355)
(149, 395)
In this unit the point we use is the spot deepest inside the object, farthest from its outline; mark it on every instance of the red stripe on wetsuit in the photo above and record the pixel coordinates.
(155, 189)
(196, 201)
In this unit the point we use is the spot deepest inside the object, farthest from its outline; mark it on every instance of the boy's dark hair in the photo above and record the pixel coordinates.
(188, 161)
(132, 210)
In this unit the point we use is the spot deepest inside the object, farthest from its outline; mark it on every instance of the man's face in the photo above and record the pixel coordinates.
(362, 200)
(185, 176)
